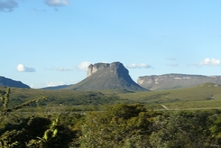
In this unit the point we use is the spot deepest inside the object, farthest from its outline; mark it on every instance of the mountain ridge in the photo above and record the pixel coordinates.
(173, 81)
(105, 76)
(7, 82)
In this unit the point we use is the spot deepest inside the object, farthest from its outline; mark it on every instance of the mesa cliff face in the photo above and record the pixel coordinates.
(94, 68)
(113, 69)
(172, 81)
(106, 76)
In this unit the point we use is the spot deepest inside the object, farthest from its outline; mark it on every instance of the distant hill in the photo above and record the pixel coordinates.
(56, 87)
(173, 81)
(6, 82)
(105, 76)
(203, 96)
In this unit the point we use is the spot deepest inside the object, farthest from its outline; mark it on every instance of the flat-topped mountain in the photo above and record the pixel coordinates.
(105, 76)
(12, 83)
(172, 81)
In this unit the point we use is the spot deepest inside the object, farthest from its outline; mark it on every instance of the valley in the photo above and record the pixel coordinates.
(110, 83)
(109, 109)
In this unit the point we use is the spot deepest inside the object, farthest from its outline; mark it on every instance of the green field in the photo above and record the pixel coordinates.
(205, 96)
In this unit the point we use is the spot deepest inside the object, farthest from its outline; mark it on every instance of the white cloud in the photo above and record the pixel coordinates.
(8, 5)
(65, 69)
(39, 10)
(60, 69)
(210, 62)
(141, 65)
(171, 59)
(57, 2)
(173, 65)
(84, 65)
(51, 84)
(23, 68)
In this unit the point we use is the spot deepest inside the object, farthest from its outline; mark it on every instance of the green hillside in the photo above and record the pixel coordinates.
(207, 95)
(61, 97)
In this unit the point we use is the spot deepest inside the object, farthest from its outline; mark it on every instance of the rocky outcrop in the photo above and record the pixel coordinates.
(106, 76)
(12, 83)
(172, 81)
(94, 68)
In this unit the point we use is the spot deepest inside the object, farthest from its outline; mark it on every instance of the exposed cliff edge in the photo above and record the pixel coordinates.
(96, 67)
(105, 76)
(6, 82)
(172, 81)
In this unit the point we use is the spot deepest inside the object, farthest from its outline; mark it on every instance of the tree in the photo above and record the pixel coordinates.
(119, 126)
(30, 132)
(181, 130)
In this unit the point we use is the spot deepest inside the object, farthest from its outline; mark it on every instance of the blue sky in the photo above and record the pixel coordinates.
(51, 42)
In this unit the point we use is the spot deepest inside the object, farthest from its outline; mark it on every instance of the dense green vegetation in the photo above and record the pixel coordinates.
(118, 119)
(205, 96)
(61, 97)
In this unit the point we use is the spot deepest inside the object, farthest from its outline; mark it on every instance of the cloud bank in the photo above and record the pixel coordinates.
(173, 65)
(60, 69)
(84, 65)
(8, 5)
(171, 59)
(210, 62)
(141, 65)
(51, 84)
(23, 68)
(57, 2)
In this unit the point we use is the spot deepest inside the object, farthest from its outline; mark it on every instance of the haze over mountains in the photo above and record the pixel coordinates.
(109, 76)
(173, 81)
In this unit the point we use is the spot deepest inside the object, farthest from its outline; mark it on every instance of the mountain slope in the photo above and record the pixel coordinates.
(103, 76)
(56, 87)
(12, 83)
(203, 96)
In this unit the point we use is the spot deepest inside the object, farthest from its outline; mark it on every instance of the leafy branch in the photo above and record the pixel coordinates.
(4, 99)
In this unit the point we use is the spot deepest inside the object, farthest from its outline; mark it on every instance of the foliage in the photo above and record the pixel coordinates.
(64, 97)
(133, 126)
(215, 128)
(119, 126)
(106, 126)
(182, 130)
(30, 132)
(4, 98)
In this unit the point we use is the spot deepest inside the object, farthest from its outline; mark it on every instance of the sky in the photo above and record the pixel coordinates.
(51, 42)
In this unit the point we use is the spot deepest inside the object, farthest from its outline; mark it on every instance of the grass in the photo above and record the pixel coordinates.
(205, 96)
